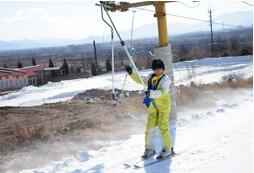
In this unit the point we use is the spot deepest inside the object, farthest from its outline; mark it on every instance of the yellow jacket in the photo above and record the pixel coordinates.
(161, 95)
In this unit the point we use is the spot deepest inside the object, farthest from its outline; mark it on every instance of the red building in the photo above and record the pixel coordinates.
(12, 79)
(34, 74)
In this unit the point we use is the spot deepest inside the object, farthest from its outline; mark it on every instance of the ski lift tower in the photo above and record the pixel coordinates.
(163, 50)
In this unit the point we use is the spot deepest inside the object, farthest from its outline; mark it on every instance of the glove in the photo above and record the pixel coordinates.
(129, 69)
(147, 101)
(147, 93)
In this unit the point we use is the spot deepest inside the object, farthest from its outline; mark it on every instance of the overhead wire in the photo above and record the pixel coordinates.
(191, 18)
(189, 5)
(247, 3)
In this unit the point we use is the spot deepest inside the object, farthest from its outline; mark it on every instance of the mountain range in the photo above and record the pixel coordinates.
(238, 18)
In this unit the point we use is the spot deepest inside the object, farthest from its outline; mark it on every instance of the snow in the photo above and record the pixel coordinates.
(213, 139)
(207, 70)
(216, 139)
(83, 156)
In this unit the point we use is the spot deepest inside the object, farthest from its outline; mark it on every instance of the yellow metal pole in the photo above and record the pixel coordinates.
(160, 13)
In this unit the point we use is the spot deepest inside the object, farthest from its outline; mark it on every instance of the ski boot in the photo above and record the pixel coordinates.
(165, 152)
(172, 151)
(148, 153)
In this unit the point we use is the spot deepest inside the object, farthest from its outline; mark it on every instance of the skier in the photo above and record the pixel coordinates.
(158, 103)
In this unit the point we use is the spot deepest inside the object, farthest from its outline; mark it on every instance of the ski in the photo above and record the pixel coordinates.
(128, 165)
(154, 161)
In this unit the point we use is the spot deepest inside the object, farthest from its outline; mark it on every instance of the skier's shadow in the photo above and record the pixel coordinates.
(161, 167)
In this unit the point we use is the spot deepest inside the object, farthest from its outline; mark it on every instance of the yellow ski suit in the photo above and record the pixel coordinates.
(158, 114)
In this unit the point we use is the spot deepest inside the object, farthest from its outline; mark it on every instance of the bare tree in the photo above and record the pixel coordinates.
(33, 62)
(19, 64)
(235, 45)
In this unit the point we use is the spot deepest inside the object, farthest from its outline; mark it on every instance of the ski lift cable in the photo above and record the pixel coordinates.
(189, 5)
(247, 3)
(124, 47)
(113, 61)
(190, 18)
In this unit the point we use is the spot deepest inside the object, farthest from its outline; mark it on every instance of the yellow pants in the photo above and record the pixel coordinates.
(160, 120)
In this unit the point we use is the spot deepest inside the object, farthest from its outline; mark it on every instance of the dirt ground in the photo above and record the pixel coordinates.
(40, 134)
(89, 120)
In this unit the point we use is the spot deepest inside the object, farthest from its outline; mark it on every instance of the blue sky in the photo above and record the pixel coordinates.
(80, 19)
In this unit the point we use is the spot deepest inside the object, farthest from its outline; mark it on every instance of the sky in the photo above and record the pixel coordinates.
(80, 19)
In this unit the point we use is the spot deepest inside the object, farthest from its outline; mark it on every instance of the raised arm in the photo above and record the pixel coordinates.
(135, 77)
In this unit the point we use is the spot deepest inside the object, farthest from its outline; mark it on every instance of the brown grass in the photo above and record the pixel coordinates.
(188, 94)
(29, 130)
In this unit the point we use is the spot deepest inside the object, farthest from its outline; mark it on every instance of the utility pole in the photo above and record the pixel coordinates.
(211, 26)
(95, 54)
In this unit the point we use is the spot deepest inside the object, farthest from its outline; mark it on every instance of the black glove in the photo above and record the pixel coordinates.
(129, 69)
(147, 93)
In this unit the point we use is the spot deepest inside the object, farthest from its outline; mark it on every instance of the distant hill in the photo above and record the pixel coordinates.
(239, 18)
(26, 44)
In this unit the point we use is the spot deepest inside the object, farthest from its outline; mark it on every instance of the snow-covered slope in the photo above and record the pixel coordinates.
(218, 139)
(201, 71)
(213, 139)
